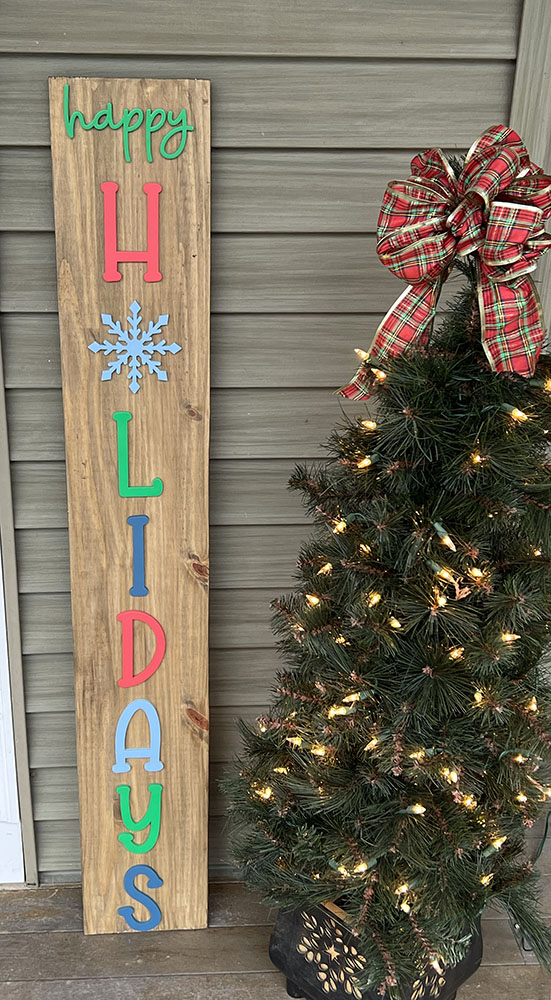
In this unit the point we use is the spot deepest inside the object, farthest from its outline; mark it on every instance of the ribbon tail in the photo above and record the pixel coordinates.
(512, 325)
(406, 323)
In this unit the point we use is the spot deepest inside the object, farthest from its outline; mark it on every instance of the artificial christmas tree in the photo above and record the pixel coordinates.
(408, 746)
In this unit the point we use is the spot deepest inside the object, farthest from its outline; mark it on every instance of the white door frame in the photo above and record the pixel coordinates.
(12, 868)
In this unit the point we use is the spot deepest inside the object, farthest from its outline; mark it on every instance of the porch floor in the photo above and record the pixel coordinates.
(45, 956)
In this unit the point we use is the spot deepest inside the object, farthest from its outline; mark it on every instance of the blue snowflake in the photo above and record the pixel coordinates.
(134, 347)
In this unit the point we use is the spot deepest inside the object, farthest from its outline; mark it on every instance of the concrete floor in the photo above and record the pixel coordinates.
(45, 956)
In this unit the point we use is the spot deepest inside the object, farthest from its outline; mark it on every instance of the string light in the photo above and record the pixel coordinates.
(444, 536)
(499, 842)
(369, 425)
(509, 637)
(318, 750)
(476, 458)
(405, 907)
(469, 802)
(437, 967)
(341, 640)
(394, 623)
(355, 696)
(416, 809)
(281, 770)
(373, 599)
(442, 572)
(402, 889)
(374, 742)
(364, 548)
(520, 759)
(264, 793)
(364, 463)
(312, 600)
(478, 697)
(339, 526)
(450, 776)
(456, 653)
(363, 355)
(295, 741)
(476, 573)
(536, 552)
(379, 375)
(325, 569)
(486, 879)
(417, 755)
(361, 868)
(262, 727)
(337, 710)
(522, 798)
(514, 412)
(532, 705)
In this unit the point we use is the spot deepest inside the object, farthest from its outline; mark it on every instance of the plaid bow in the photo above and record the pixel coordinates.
(495, 208)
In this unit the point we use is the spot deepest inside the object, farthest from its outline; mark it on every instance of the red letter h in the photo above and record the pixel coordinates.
(114, 256)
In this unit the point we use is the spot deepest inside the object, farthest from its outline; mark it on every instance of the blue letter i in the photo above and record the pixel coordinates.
(138, 523)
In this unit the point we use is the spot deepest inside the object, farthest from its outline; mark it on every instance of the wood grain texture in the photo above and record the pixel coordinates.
(280, 103)
(246, 423)
(493, 982)
(479, 28)
(230, 905)
(168, 437)
(73, 956)
(254, 191)
(241, 492)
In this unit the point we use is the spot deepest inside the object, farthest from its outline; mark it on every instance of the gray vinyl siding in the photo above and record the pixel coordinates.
(315, 107)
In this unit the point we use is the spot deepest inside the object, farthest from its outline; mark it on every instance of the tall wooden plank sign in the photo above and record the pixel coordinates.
(131, 190)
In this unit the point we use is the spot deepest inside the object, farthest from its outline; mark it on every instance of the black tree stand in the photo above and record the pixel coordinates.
(317, 952)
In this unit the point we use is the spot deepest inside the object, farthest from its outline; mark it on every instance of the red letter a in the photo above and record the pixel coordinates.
(113, 256)
(127, 619)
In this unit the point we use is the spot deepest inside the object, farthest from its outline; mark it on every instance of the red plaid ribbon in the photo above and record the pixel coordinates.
(495, 208)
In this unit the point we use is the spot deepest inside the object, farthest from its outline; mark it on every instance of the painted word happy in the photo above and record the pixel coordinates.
(131, 120)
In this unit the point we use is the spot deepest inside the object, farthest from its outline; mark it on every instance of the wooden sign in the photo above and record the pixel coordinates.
(131, 163)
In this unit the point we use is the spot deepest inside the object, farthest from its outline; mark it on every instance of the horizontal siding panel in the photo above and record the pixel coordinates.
(241, 492)
(285, 102)
(239, 619)
(237, 677)
(39, 494)
(254, 191)
(280, 351)
(263, 274)
(55, 792)
(52, 736)
(58, 847)
(241, 557)
(474, 29)
(246, 423)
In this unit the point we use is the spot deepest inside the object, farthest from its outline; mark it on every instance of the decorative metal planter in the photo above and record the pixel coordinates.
(317, 952)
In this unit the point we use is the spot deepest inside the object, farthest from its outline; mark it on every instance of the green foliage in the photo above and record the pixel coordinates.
(408, 746)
